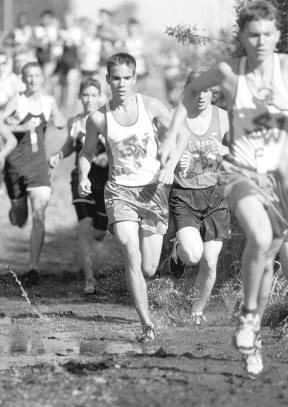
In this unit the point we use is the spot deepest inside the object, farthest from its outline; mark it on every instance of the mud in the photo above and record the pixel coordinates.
(84, 352)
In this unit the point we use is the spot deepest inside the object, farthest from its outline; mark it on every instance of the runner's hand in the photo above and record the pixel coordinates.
(84, 187)
(101, 160)
(273, 97)
(166, 175)
(54, 160)
(166, 150)
(217, 147)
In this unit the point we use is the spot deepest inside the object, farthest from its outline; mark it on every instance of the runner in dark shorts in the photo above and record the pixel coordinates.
(26, 168)
(90, 210)
(200, 213)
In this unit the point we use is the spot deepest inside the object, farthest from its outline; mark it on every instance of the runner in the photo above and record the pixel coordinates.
(26, 168)
(90, 210)
(201, 216)
(136, 204)
(7, 143)
(255, 176)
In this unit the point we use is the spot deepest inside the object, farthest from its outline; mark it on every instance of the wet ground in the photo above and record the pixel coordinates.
(83, 351)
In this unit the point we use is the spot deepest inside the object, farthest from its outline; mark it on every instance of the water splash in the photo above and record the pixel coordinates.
(23, 292)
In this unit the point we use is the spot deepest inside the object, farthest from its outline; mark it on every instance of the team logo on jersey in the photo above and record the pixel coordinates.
(135, 148)
(198, 161)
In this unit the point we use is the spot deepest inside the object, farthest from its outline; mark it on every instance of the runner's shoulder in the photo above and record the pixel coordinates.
(283, 62)
(98, 118)
(152, 103)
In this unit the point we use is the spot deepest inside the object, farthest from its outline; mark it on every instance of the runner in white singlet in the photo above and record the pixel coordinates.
(255, 176)
(136, 204)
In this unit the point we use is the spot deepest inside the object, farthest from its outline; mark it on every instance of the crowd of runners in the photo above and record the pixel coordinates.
(137, 164)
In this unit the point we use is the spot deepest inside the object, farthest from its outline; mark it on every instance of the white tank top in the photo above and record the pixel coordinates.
(258, 130)
(132, 150)
(23, 109)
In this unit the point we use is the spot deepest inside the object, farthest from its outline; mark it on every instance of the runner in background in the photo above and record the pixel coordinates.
(26, 168)
(90, 210)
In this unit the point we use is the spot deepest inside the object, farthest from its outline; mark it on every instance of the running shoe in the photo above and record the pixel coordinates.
(198, 318)
(148, 334)
(246, 332)
(253, 363)
(89, 288)
(175, 264)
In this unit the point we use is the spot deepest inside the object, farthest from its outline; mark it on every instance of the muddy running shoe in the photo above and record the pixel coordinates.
(89, 288)
(253, 363)
(245, 335)
(176, 266)
(148, 334)
(29, 278)
(198, 318)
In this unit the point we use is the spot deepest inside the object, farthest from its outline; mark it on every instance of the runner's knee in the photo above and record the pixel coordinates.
(259, 241)
(99, 234)
(190, 256)
(18, 213)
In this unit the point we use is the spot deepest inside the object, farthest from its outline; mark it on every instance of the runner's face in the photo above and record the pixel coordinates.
(203, 99)
(90, 99)
(33, 79)
(260, 38)
(121, 80)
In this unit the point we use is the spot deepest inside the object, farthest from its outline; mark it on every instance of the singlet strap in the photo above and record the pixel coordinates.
(242, 66)
(278, 80)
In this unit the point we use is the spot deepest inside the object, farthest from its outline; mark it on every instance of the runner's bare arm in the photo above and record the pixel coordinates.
(10, 141)
(206, 80)
(216, 146)
(166, 175)
(94, 127)
(66, 149)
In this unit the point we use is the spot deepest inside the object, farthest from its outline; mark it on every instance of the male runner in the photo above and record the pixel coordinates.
(255, 176)
(136, 204)
(26, 168)
(201, 215)
(90, 210)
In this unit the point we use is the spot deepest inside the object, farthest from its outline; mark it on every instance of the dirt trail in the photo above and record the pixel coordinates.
(85, 353)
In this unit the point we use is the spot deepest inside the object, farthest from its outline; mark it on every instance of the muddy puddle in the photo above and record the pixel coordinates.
(26, 339)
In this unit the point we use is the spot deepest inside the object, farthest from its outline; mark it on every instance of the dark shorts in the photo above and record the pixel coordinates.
(146, 204)
(92, 206)
(238, 182)
(18, 183)
(204, 209)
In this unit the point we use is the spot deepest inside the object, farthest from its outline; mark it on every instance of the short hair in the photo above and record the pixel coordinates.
(257, 10)
(89, 82)
(31, 64)
(122, 58)
(194, 74)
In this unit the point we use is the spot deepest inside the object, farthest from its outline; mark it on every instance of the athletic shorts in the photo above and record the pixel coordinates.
(92, 206)
(146, 204)
(204, 209)
(19, 183)
(238, 182)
